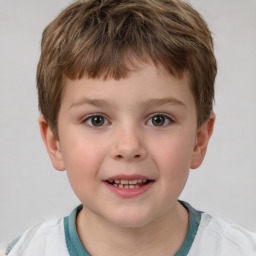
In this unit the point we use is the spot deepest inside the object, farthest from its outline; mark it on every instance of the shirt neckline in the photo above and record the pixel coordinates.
(76, 248)
(194, 221)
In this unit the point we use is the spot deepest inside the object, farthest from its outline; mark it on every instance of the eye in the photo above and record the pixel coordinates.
(159, 120)
(96, 120)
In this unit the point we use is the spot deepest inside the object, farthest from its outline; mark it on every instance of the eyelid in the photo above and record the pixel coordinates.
(87, 117)
(168, 116)
(161, 114)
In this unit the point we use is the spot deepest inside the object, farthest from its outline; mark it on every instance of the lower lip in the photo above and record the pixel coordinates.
(129, 192)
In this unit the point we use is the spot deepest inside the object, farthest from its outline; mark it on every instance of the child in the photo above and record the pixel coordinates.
(125, 93)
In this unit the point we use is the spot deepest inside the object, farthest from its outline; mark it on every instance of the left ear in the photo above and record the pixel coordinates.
(203, 136)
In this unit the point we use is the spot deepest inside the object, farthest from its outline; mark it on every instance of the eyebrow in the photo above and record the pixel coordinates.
(109, 103)
(164, 101)
(93, 102)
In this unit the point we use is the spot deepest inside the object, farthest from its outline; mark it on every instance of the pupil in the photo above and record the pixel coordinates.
(158, 120)
(97, 120)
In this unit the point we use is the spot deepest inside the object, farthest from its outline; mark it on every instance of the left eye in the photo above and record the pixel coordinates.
(159, 120)
(96, 120)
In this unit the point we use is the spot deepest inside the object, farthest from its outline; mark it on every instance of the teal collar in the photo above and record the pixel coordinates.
(75, 247)
(194, 221)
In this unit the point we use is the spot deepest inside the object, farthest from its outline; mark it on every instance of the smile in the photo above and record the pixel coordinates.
(129, 186)
(128, 183)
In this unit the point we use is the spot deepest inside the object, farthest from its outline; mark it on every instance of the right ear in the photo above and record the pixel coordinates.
(52, 145)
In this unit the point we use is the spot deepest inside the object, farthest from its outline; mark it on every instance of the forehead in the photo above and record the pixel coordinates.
(146, 84)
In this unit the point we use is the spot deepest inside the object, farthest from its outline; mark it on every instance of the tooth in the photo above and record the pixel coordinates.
(115, 185)
(111, 181)
(144, 181)
(131, 186)
(126, 186)
(139, 181)
(133, 182)
(136, 186)
(117, 181)
(124, 181)
(120, 186)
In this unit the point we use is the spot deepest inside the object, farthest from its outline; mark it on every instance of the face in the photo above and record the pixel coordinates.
(127, 145)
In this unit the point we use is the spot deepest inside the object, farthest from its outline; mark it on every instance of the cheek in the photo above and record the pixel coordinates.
(173, 154)
(82, 157)
(173, 162)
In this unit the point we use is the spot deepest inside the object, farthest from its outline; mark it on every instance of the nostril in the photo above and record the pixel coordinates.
(135, 156)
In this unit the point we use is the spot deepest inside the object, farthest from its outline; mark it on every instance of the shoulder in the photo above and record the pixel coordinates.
(48, 238)
(218, 237)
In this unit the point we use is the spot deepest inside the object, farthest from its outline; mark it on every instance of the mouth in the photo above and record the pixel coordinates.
(129, 184)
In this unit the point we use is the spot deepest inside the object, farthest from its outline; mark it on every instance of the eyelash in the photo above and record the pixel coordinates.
(166, 118)
(89, 118)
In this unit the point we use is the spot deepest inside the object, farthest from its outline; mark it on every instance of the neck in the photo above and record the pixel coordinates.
(163, 236)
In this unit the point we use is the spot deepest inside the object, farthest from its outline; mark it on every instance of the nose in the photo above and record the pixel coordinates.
(128, 145)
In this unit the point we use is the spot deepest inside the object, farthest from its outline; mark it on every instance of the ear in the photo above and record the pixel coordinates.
(203, 136)
(52, 145)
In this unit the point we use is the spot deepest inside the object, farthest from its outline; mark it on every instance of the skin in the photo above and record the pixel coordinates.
(147, 127)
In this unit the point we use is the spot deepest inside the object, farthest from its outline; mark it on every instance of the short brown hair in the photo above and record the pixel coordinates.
(101, 38)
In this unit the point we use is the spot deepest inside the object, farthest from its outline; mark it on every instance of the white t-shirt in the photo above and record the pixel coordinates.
(207, 236)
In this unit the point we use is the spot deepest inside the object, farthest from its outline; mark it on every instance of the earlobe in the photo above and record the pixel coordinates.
(52, 145)
(202, 139)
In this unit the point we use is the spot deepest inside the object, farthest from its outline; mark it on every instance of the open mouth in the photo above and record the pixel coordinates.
(129, 183)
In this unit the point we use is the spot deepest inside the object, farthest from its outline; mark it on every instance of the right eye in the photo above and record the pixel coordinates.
(96, 120)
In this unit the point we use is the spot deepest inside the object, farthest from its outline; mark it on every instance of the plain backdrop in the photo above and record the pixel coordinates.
(32, 191)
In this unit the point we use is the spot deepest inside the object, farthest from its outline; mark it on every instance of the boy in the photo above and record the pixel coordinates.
(125, 93)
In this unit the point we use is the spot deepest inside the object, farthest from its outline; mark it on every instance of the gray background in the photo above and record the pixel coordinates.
(32, 191)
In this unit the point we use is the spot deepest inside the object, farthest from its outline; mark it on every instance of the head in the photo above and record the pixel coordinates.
(107, 38)
(126, 90)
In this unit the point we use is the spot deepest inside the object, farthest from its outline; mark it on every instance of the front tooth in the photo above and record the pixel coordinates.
(133, 182)
(124, 182)
(131, 186)
(126, 186)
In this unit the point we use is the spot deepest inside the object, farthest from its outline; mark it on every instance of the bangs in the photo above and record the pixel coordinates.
(106, 38)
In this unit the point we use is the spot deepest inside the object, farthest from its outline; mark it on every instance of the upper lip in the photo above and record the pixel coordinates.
(128, 177)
